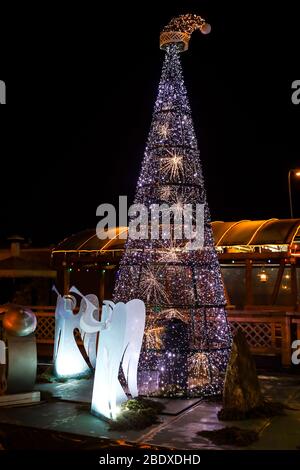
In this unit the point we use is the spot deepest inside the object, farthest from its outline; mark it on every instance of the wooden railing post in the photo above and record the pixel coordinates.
(294, 286)
(286, 353)
(278, 282)
(249, 287)
(102, 286)
(267, 332)
(66, 281)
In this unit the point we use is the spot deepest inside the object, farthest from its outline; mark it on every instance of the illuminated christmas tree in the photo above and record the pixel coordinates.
(187, 340)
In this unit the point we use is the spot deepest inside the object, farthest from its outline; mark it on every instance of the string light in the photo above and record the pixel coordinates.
(164, 130)
(187, 338)
(152, 285)
(172, 166)
(186, 23)
(169, 254)
(165, 193)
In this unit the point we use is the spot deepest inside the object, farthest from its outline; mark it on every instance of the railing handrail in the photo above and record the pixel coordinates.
(269, 331)
(44, 310)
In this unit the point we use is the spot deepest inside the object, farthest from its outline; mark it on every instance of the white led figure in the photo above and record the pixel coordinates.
(135, 326)
(90, 339)
(120, 341)
(108, 394)
(67, 359)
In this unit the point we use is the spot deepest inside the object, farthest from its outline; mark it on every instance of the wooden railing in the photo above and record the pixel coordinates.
(296, 321)
(267, 332)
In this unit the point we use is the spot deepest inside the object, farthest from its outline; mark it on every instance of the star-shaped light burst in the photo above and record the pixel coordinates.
(170, 253)
(164, 130)
(174, 313)
(178, 207)
(152, 285)
(165, 192)
(172, 166)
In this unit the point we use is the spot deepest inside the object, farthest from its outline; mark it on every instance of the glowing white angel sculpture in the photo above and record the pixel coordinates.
(135, 326)
(120, 341)
(67, 358)
(90, 338)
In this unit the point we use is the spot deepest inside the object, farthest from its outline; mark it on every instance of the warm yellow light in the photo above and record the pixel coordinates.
(297, 173)
(164, 130)
(263, 277)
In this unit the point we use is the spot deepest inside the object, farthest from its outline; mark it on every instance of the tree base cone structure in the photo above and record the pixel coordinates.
(242, 391)
(187, 338)
(242, 396)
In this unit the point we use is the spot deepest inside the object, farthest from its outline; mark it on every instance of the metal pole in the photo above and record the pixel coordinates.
(290, 194)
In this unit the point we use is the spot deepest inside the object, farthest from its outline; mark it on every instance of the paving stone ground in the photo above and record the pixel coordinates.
(68, 411)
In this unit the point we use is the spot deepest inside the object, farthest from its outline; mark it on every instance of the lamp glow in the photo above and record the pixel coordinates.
(263, 277)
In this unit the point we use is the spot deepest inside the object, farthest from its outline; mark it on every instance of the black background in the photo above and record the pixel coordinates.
(81, 85)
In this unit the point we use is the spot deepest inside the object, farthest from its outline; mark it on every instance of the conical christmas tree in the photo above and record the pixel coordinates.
(187, 339)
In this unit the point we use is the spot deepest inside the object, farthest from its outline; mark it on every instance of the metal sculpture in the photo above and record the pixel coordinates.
(18, 356)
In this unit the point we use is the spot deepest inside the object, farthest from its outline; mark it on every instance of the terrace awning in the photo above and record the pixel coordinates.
(226, 234)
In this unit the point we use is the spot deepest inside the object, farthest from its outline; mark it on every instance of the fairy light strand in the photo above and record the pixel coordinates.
(187, 334)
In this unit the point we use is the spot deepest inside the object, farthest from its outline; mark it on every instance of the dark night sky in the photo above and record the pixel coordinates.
(81, 87)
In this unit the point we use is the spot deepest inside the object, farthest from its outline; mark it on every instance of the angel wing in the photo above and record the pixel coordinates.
(58, 321)
(89, 339)
(135, 325)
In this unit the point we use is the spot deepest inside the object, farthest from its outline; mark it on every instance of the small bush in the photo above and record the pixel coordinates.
(137, 414)
(47, 376)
